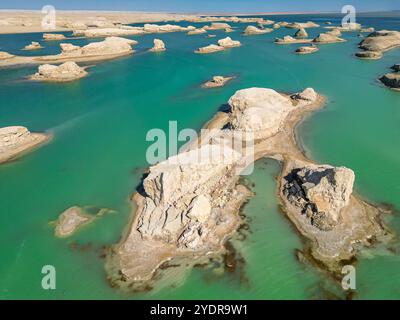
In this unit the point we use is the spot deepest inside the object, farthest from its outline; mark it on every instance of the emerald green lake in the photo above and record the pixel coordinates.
(97, 156)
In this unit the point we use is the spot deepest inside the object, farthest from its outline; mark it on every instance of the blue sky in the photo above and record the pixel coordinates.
(205, 5)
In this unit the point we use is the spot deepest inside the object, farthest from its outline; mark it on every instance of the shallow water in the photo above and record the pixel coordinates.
(97, 157)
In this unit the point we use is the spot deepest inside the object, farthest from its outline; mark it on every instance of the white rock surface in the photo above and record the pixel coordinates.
(158, 46)
(68, 71)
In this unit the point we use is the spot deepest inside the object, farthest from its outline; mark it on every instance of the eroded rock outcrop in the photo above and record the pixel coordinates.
(320, 192)
(307, 49)
(301, 25)
(290, 40)
(381, 41)
(68, 71)
(210, 49)
(5, 55)
(218, 26)
(53, 36)
(228, 43)
(158, 46)
(70, 221)
(369, 55)
(34, 45)
(17, 140)
(217, 81)
(327, 38)
(252, 30)
(301, 33)
(197, 31)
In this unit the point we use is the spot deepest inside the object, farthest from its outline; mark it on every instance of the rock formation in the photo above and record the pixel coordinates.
(53, 36)
(327, 38)
(70, 221)
(369, 55)
(301, 25)
(307, 49)
(320, 192)
(17, 140)
(188, 204)
(334, 32)
(228, 43)
(381, 41)
(210, 49)
(276, 26)
(158, 46)
(68, 71)
(197, 31)
(218, 26)
(391, 80)
(252, 30)
(369, 30)
(290, 40)
(33, 46)
(217, 81)
(301, 33)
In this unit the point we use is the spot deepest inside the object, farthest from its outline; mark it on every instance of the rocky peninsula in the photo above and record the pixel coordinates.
(16, 141)
(187, 208)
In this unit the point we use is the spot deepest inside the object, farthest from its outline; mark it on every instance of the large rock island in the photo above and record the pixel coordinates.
(189, 204)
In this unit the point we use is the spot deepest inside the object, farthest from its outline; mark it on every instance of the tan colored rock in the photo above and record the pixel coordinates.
(290, 40)
(301, 25)
(17, 140)
(5, 55)
(370, 29)
(70, 221)
(307, 49)
(210, 49)
(334, 32)
(276, 26)
(381, 41)
(252, 30)
(327, 38)
(197, 31)
(53, 36)
(33, 46)
(228, 43)
(158, 46)
(217, 81)
(301, 33)
(68, 71)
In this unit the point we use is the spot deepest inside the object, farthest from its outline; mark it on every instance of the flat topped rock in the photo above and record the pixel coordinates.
(218, 26)
(210, 49)
(197, 31)
(252, 30)
(307, 49)
(68, 71)
(16, 140)
(53, 36)
(382, 41)
(5, 55)
(33, 46)
(369, 55)
(70, 221)
(327, 38)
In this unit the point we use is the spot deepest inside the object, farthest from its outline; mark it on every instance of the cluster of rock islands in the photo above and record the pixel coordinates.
(187, 208)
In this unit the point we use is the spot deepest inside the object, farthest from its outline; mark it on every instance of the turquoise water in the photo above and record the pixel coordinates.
(97, 157)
